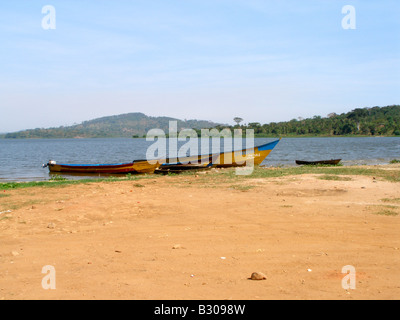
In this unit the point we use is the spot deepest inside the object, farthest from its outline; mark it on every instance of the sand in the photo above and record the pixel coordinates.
(189, 237)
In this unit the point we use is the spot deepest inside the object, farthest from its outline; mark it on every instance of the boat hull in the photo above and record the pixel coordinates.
(121, 168)
(324, 162)
(178, 168)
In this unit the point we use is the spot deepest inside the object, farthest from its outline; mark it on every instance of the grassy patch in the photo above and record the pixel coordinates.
(387, 212)
(395, 161)
(62, 181)
(138, 185)
(395, 200)
(241, 187)
(56, 177)
(14, 205)
(334, 177)
(323, 165)
(50, 183)
(389, 175)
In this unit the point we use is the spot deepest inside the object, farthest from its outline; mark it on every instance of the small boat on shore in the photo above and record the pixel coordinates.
(323, 162)
(237, 158)
(137, 166)
(178, 168)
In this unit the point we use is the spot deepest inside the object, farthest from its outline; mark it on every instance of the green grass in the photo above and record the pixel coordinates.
(387, 212)
(395, 200)
(15, 206)
(334, 177)
(241, 187)
(138, 185)
(323, 165)
(62, 181)
(395, 161)
(50, 183)
(57, 177)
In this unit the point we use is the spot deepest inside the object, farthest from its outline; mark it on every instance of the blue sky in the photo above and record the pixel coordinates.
(260, 60)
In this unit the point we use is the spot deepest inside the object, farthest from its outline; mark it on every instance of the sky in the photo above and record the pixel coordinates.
(263, 61)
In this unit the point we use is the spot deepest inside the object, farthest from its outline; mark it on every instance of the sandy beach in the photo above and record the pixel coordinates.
(201, 236)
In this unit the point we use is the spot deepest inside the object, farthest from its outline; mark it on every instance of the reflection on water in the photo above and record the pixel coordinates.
(21, 160)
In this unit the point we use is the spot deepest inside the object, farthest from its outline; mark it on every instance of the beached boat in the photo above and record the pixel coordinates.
(137, 166)
(236, 158)
(178, 168)
(324, 162)
(242, 157)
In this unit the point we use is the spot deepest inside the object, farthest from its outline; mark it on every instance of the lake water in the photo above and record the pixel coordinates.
(21, 160)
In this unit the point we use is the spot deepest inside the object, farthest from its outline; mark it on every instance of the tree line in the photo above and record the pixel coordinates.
(375, 121)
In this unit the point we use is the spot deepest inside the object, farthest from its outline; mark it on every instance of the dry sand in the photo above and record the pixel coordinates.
(185, 237)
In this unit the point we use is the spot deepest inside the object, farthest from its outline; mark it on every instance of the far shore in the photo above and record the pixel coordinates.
(2, 136)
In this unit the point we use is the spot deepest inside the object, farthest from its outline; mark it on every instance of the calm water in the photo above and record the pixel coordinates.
(21, 160)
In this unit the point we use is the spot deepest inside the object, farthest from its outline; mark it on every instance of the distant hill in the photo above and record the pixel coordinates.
(375, 121)
(124, 125)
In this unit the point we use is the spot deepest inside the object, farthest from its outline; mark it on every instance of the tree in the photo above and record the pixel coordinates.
(237, 120)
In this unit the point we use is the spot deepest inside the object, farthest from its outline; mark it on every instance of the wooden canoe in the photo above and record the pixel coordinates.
(239, 158)
(324, 162)
(218, 160)
(138, 166)
(178, 168)
(236, 158)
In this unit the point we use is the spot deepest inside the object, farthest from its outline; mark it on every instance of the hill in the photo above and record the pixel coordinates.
(125, 125)
(375, 121)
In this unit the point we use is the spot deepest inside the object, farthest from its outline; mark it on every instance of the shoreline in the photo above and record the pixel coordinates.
(94, 177)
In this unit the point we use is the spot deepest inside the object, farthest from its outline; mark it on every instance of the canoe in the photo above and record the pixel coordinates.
(178, 168)
(138, 166)
(236, 158)
(218, 160)
(239, 158)
(326, 162)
